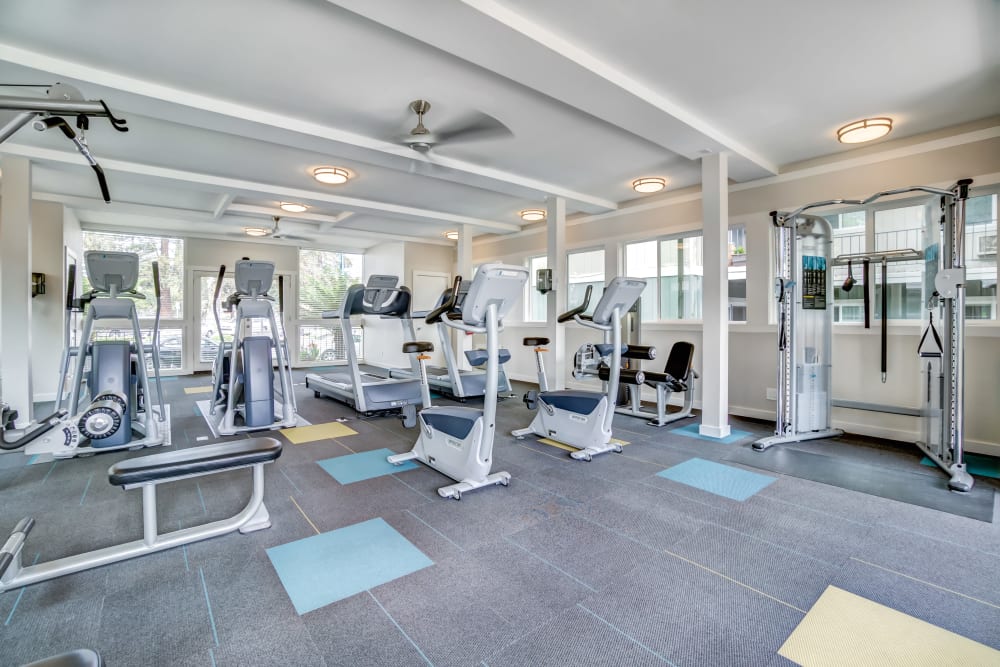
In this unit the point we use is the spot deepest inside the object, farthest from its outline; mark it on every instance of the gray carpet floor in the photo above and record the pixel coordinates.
(601, 563)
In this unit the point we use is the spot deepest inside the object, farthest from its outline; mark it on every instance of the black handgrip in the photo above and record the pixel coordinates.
(117, 123)
(156, 279)
(570, 314)
(435, 315)
(866, 271)
(885, 316)
(70, 287)
(60, 122)
(103, 183)
(281, 294)
(218, 283)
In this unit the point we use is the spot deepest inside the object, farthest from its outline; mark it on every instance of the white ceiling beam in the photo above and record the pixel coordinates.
(499, 39)
(225, 199)
(251, 188)
(124, 214)
(327, 221)
(251, 122)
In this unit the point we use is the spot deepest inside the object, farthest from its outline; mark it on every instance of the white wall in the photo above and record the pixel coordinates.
(753, 355)
(47, 309)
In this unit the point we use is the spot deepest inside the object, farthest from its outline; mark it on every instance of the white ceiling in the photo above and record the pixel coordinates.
(232, 103)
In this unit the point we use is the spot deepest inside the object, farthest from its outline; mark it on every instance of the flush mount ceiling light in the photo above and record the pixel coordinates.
(649, 184)
(861, 131)
(452, 236)
(292, 207)
(256, 231)
(331, 175)
(532, 215)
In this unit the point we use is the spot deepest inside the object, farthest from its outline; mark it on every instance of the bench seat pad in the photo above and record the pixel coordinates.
(194, 460)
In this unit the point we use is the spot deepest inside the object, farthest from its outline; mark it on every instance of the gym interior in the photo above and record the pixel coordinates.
(499, 333)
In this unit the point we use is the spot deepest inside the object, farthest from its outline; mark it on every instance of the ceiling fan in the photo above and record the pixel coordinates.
(276, 232)
(476, 126)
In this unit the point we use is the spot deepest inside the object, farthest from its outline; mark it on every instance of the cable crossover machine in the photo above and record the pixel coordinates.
(803, 287)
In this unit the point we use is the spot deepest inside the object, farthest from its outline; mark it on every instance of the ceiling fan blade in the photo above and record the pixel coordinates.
(475, 127)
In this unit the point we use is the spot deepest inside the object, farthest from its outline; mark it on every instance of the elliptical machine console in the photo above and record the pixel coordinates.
(458, 441)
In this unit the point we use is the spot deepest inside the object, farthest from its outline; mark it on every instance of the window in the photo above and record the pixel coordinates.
(536, 304)
(585, 269)
(673, 276)
(981, 257)
(168, 252)
(737, 271)
(324, 278)
(907, 226)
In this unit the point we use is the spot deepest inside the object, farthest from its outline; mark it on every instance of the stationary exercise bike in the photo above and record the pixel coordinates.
(582, 419)
(243, 374)
(105, 403)
(458, 441)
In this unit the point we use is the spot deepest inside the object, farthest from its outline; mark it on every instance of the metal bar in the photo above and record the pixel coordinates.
(15, 124)
(876, 407)
(149, 528)
(899, 255)
(44, 105)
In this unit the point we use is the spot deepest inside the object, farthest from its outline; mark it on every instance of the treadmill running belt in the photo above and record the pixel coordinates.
(925, 490)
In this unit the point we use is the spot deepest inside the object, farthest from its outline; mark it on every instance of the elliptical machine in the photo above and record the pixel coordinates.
(582, 419)
(458, 441)
(110, 373)
(243, 374)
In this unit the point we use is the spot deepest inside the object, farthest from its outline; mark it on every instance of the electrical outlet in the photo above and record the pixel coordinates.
(772, 394)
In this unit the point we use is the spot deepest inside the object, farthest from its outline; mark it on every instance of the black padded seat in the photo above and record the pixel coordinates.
(208, 458)
(456, 422)
(83, 657)
(417, 346)
(573, 400)
(479, 357)
(677, 369)
(535, 342)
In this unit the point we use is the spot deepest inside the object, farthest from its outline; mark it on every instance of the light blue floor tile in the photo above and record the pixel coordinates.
(722, 480)
(352, 468)
(691, 431)
(319, 570)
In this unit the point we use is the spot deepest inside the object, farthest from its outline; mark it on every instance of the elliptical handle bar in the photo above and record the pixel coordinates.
(435, 315)
(156, 340)
(215, 304)
(579, 310)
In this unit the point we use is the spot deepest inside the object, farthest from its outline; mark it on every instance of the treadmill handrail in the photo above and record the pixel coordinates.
(435, 315)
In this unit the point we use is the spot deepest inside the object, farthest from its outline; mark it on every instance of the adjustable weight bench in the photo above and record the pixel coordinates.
(147, 472)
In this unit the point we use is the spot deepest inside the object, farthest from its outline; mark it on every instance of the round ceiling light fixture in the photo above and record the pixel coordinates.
(451, 236)
(649, 184)
(331, 175)
(292, 207)
(256, 231)
(532, 215)
(867, 129)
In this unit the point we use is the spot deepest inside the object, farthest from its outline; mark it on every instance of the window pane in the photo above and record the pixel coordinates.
(681, 273)
(981, 258)
(899, 229)
(318, 343)
(585, 269)
(170, 255)
(536, 304)
(171, 345)
(324, 277)
(848, 239)
(640, 262)
(738, 273)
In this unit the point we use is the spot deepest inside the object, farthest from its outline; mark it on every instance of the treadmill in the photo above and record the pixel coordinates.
(366, 389)
(450, 380)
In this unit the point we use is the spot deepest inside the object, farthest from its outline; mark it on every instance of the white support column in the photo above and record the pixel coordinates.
(714, 373)
(463, 267)
(556, 237)
(15, 286)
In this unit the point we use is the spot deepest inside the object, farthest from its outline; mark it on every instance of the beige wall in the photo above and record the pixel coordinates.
(47, 309)
(753, 357)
